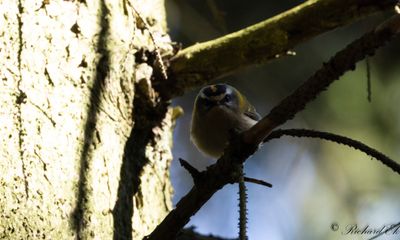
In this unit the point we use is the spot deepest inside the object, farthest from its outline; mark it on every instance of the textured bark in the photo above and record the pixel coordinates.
(77, 158)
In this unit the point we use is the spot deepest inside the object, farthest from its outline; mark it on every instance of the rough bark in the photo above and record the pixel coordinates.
(84, 143)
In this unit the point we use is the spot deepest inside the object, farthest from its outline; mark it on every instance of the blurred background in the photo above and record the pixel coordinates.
(316, 184)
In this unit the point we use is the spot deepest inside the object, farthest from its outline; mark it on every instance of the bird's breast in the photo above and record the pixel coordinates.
(211, 132)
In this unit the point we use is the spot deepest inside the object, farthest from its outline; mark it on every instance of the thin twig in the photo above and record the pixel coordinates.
(257, 181)
(394, 166)
(242, 206)
(368, 68)
(193, 171)
(196, 174)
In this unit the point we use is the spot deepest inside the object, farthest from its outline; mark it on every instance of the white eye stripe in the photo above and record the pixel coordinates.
(202, 95)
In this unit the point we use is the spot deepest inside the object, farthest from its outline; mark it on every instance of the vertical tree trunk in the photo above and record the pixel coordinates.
(84, 143)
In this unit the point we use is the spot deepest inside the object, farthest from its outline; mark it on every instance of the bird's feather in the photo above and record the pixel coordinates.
(252, 113)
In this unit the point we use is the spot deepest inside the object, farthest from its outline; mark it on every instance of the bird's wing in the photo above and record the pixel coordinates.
(252, 113)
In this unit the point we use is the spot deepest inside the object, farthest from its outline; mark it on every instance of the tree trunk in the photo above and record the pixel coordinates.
(85, 142)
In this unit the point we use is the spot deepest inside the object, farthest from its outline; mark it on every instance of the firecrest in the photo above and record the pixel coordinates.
(219, 109)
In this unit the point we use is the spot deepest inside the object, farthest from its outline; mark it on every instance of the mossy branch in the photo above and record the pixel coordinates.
(244, 145)
(201, 63)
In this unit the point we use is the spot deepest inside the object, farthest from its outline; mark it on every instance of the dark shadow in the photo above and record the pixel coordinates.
(146, 117)
(78, 216)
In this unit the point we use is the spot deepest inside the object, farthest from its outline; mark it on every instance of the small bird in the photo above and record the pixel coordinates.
(219, 109)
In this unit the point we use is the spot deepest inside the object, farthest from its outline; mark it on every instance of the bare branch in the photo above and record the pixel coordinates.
(196, 174)
(257, 181)
(337, 139)
(192, 170)
(201, 63)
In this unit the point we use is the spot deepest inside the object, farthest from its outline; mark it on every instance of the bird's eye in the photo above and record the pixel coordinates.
(227, 98)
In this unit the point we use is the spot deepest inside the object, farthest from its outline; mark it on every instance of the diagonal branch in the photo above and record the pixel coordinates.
(201, 63)
(343, 61)
(226, 170)
(337, 139)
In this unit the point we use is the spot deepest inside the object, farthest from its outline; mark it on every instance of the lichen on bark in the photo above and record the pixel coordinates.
(64, 142)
